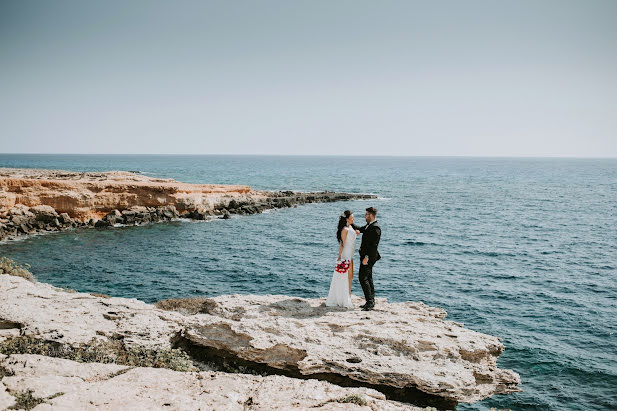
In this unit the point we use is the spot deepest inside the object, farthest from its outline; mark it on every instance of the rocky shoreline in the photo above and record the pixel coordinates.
(60, 349)
(269, 352)
(35, 200)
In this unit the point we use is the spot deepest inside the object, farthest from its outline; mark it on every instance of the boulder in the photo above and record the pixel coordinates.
(199, 214)
(25, 229)
(140, 211)
(44, 213)
(10, 231)
(233, 204)
(143, 219)
(64, 219)
(169, 212)
(128, 216)
(113, 217)
(19, 209)
(102, 223)
(249, 209)
(19, 219)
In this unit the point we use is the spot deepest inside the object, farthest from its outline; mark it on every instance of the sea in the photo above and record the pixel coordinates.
(520, 248)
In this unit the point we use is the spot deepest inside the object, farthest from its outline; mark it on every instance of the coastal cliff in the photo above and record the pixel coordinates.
(283, 352)
(61, 349)
(36, 200)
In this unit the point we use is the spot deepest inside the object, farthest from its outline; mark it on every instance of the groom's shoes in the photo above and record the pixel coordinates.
(363, 305)
(368, 307)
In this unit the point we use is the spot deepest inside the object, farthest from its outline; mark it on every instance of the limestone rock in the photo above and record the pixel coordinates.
(47, 376)
(44, 213)
(61, 200)
(405, 350)
(20, 219)
(64, 218)
(113, 217)
(84, 386)
(20, 209)
(399, 345)
(92, 195)
(6, 399)
(47, 312)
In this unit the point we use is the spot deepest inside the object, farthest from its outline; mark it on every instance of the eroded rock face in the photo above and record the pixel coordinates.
(94, 194)
(34, 200)
(66, 384)
(406, 350)
(399, 345)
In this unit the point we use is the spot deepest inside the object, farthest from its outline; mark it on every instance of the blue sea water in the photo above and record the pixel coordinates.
(523, 249)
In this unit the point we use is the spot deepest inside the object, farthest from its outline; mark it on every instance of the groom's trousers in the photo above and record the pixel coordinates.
(365, 276)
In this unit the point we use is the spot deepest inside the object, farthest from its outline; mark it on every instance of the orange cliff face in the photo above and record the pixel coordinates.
(94, 194)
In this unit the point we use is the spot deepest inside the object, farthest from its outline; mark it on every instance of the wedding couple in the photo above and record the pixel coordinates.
(340, 286)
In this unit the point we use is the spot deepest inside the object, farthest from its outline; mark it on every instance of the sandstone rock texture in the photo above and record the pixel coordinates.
(407, 351)
(33, 200)
(94, 194)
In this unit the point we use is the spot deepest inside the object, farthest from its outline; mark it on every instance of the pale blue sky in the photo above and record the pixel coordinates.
(503, 78)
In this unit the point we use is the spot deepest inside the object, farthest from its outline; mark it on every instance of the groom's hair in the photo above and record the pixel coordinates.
(372, 210)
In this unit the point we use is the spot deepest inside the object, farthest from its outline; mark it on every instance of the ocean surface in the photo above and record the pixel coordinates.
(523, 249)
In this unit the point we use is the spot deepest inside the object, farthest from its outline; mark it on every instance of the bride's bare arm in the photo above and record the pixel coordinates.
(343, 237)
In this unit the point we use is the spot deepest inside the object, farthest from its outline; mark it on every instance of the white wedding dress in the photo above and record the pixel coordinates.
(339, 286)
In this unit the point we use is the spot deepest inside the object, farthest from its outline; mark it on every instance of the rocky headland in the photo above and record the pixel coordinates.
(60, 349)
(69, 350)
(40, 200)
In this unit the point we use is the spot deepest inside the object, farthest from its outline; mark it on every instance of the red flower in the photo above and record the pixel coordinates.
(342, 267)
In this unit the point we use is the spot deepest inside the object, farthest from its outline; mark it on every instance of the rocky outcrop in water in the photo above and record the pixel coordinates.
(406, 351)
(35, 200)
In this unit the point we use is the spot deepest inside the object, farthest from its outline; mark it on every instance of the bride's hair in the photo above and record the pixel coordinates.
(342, 222)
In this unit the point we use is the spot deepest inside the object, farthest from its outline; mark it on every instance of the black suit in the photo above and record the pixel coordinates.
(371, 233)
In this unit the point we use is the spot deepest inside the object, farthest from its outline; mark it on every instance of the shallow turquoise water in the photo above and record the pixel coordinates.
(524, 249)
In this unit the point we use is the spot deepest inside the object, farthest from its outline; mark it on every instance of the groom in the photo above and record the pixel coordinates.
(371, 233)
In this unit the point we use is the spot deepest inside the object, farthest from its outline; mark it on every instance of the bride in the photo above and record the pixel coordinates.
(340, 286)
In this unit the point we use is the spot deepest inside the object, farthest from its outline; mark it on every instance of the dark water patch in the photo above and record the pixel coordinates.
(419, 243)
(486, 253)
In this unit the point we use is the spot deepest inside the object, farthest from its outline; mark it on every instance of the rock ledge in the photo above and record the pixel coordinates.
(407, 351)
(40, 200)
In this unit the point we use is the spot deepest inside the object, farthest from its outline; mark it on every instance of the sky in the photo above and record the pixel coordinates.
(331, 77)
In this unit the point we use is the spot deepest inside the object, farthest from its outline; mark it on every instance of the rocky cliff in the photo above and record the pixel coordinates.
(93, 195)
(402, 354)
(34, 200)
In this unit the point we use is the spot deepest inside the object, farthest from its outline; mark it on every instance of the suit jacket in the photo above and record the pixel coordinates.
(371, 233)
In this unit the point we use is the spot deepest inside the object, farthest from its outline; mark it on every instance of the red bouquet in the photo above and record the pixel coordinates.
(342, 266)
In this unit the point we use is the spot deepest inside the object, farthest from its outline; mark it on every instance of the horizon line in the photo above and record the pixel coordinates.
(321, 155)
